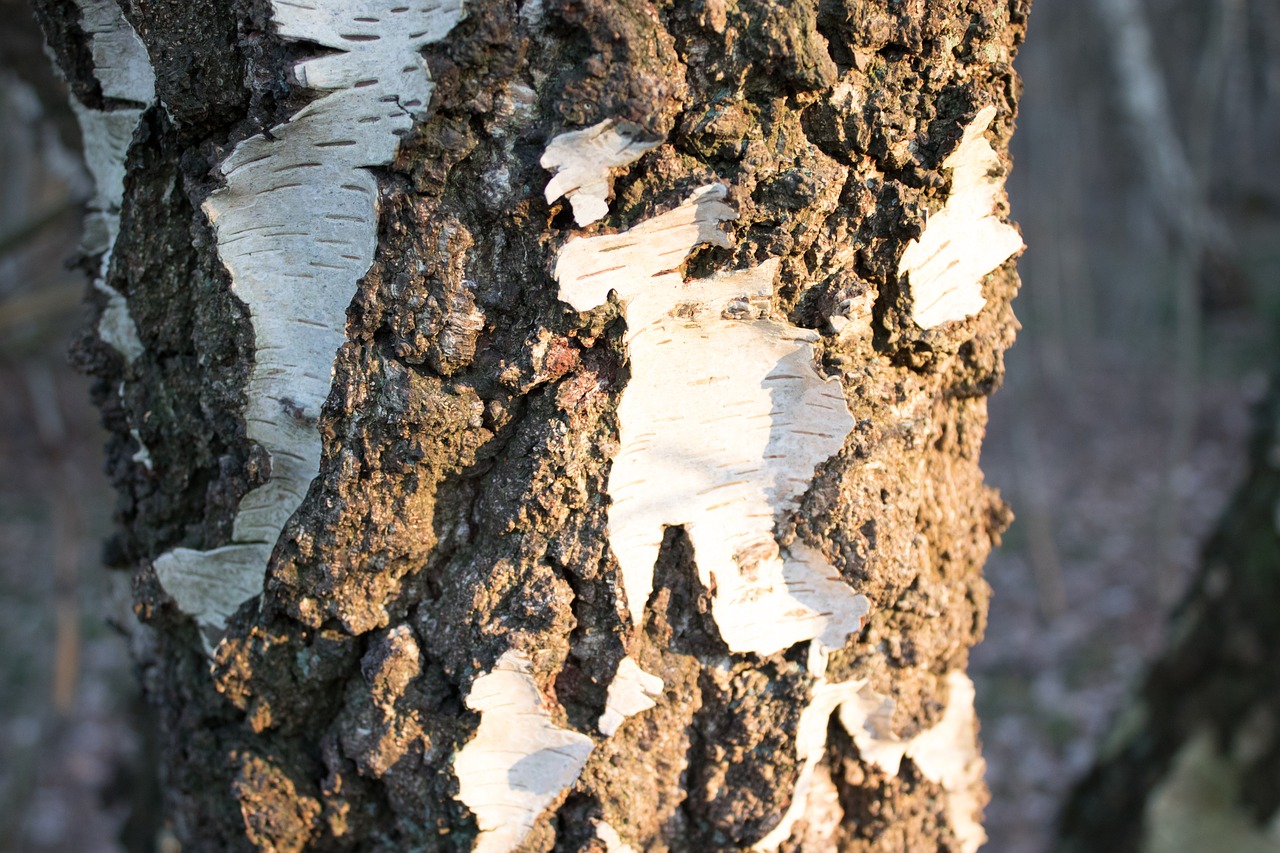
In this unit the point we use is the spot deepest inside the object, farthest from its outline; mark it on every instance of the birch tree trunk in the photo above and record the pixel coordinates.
(554, 425)
(1193, 761)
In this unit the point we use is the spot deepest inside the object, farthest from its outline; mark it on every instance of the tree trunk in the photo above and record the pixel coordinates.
(1193, 761)
(553, 426)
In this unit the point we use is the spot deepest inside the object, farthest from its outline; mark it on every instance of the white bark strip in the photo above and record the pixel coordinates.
(123, 71)
(106, 135)
(582, 160)
(721, 427)
(632, 690)
(519, 761)
(120, 60)
(143, 454)
(964, 241)
(946, 754)
(296, 224)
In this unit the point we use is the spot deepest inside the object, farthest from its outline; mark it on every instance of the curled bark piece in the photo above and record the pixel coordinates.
(811, 741)
(632, 690)
(946, 754)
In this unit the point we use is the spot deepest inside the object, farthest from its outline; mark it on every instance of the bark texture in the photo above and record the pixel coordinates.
(1193, 761)
(459, 515)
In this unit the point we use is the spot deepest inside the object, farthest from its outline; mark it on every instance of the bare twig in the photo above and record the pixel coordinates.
(1176, 181)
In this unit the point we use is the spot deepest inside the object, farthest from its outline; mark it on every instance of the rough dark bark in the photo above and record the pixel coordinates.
(460, 508)
(1193, 761)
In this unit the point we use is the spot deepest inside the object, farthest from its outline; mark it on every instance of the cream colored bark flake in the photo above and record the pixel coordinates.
(868, 720)
(722, 424)
(947, 754)
(296, 224)
(582, 162)
(964, 241)
(519, 761)
(632, 690)
(823, 814)
(123, 71)
(613, 842)
(811, 742)
(120, 60)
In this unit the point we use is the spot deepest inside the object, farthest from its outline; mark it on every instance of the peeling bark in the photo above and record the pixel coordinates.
(297, 273)
(581, 162)
(720, 428)
(519, 762)
(457, 517)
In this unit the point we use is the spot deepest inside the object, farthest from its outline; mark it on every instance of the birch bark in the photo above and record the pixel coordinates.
(480, 583)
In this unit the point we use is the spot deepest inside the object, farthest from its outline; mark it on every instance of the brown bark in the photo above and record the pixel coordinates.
(462, 494)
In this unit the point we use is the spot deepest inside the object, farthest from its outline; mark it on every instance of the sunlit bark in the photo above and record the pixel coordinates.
(560, 420)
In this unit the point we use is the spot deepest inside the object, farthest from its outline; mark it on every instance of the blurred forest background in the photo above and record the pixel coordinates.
(1147, 186)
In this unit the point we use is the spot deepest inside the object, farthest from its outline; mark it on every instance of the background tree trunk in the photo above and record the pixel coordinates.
(1193, 760)
(456, 539)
